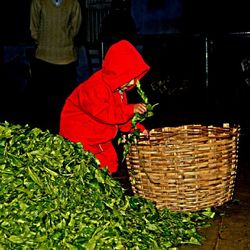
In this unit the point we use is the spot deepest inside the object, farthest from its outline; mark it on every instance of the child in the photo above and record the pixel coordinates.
(98, 107)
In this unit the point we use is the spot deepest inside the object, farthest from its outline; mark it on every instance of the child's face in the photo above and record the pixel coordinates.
(126, 86)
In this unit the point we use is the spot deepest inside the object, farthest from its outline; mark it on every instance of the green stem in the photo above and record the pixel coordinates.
(131, 138)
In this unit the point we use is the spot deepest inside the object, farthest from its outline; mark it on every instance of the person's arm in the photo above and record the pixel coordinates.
(127, 127)
(76, 19)
(99, 104)
(103, 106)
(139, 108)
(35, 18)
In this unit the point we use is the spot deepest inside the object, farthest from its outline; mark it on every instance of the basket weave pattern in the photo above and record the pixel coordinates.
(185, 168)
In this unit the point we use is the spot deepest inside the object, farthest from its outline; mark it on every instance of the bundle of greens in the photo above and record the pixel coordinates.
(127, 139)
(54, 196)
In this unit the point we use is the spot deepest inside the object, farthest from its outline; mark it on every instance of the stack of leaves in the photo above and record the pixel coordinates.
(54, 196)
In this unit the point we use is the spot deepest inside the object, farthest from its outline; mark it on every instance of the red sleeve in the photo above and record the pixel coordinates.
(127, 127)
(104, 106)
(140, 127)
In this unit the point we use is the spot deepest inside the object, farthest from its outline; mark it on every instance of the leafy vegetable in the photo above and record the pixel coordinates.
(131, 138)
(54, 196)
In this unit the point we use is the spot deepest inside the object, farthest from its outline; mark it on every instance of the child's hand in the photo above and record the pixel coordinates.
(145, 133)
(140, 108)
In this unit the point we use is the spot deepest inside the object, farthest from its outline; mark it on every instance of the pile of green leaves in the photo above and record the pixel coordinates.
(54, 196)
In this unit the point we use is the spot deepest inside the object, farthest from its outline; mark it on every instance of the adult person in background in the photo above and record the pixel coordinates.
(54, 25)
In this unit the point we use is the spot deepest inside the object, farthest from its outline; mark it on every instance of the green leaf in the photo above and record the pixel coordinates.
(131, 138)
(34, 177)
(16, 239)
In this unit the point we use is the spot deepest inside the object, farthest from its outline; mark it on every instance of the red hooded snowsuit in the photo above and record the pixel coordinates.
(95, 110)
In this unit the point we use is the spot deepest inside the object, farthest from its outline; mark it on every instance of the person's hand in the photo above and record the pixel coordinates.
(145, 133)
(140, 108)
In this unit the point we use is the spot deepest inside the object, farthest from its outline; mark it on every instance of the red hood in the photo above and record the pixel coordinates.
(121, 64)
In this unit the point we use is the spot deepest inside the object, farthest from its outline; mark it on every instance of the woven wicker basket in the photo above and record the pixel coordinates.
(185, 168)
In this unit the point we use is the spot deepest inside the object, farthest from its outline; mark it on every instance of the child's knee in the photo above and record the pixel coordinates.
(108, 157)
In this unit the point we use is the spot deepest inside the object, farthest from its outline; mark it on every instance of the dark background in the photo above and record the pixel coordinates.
(186, 15)
(195, 59)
